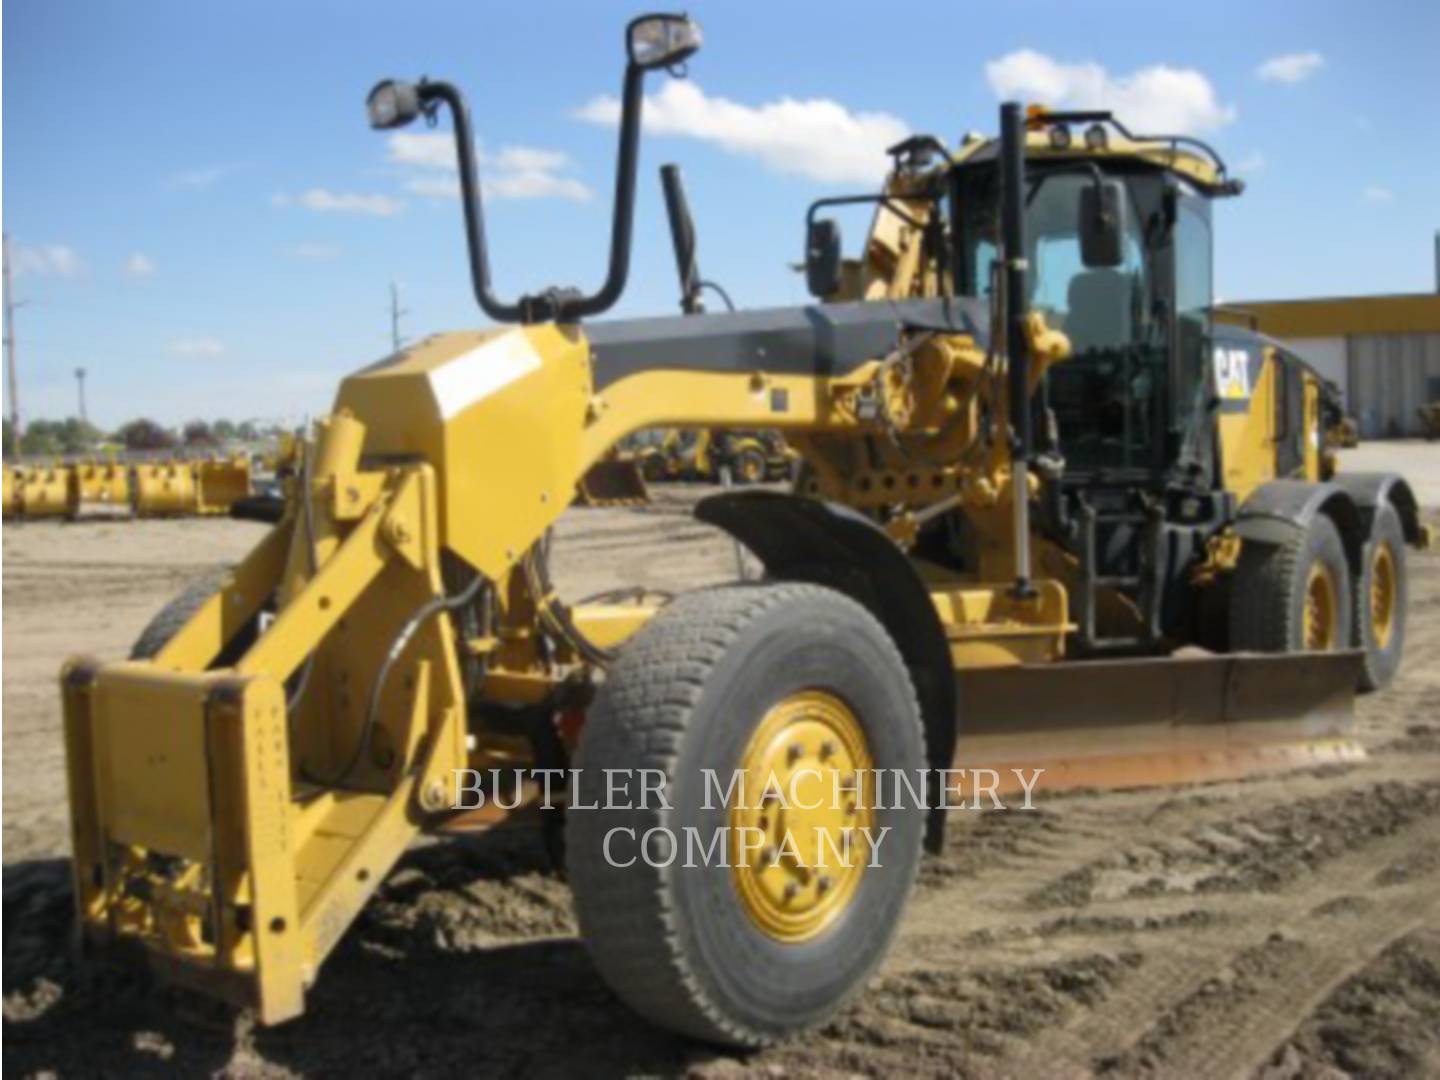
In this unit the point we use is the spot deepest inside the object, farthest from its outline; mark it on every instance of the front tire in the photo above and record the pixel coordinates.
(757, 677)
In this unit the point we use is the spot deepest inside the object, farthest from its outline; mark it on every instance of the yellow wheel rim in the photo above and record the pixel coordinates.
(1382, 595)
(1322, 609)
(798, 830)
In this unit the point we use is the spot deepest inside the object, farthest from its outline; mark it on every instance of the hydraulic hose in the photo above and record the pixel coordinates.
(401, 641)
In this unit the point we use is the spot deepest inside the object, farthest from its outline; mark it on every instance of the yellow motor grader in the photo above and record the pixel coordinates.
(1052, 518)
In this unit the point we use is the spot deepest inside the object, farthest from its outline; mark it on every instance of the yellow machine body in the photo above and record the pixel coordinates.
(12, 490)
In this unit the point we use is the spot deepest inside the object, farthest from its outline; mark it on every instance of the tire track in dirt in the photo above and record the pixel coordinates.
(1170, 945)
(1382, 1021)
(1257, 949)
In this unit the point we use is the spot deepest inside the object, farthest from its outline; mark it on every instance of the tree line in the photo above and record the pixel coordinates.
(52, 438)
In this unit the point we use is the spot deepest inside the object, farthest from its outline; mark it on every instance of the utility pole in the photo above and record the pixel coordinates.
(14, 384)
(395, 312)
(80, 378)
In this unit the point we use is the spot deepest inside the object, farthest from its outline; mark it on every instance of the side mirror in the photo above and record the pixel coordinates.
(658, 41)
(392, 104)
(822, 258)
(1102, 224)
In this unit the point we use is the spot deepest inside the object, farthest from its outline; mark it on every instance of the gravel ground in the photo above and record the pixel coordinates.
(1281, 927)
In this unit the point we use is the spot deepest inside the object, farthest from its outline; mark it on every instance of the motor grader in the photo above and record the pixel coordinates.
(1052, 517)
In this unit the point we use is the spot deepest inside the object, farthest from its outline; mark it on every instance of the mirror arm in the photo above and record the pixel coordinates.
(631, 110)
(436, 92)
(555, 305)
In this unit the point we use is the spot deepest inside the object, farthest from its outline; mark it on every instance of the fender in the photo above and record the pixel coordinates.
(1370, 490)
(1277, 509)
(800, 539)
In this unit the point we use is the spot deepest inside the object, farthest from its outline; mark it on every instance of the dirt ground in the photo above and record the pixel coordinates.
(1282, 927)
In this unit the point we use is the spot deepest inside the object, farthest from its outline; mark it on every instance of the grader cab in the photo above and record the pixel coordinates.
(1051, 519)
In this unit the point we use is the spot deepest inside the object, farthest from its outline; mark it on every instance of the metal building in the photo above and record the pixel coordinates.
(1383, 351)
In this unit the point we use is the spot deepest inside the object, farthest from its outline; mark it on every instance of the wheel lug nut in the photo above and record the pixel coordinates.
(791, 891)
(795, 752)
(824, 884)
(770, 855)
(827, 750)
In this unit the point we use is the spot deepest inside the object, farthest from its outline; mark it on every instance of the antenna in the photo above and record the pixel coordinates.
(14, 381)
(395, 312)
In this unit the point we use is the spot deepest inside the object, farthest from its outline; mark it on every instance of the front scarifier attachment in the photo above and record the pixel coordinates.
(231, 814)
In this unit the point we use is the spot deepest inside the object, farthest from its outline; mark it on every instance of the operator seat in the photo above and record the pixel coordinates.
(1100, 303)
(1088, 400)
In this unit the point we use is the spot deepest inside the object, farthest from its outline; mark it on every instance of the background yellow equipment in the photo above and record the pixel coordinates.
(1035, 470)
(47, 491)
(101, 483)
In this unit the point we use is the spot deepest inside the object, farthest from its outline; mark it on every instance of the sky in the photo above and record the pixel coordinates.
(200, 217)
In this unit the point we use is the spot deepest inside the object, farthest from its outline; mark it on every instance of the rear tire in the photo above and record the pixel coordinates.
(1381, 597)
(682, 945)
(1276, 593)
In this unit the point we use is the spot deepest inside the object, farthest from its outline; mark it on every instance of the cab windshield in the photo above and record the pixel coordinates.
(1108, 397)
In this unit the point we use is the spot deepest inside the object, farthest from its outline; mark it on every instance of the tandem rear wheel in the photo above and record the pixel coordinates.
(1302, 596)
(1381, 598)
(735, 916)
(1293, 597)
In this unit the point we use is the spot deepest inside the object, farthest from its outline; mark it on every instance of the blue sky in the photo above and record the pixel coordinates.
(201, 218)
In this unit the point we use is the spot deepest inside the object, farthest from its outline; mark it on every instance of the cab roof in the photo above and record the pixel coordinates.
(1099, 137)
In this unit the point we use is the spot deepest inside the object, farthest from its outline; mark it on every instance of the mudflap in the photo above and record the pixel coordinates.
(1187, 718)
(613, 482)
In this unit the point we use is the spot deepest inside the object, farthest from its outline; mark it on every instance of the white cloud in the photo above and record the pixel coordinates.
(816, 138)
(1157, 99)
(139, 265)
(49, 260)
(428, 151)
(197, 346)
(1251, 163)
(516, 172)
(341, 202)
(1377, 193)
(434, 187)
(202, 178)
(1290, 68)
(314, 252)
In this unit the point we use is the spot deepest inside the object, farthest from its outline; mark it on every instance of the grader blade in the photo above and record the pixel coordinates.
(613, 482)
(1143, 722)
